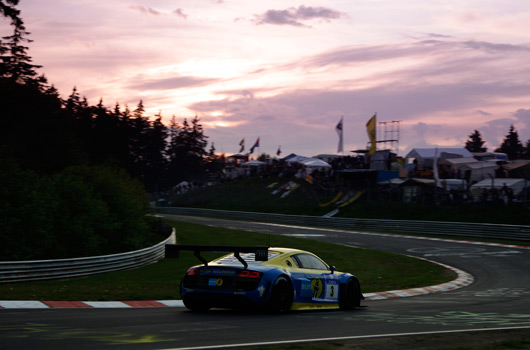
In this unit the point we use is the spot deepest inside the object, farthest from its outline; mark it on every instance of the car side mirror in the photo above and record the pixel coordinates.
(332, 269)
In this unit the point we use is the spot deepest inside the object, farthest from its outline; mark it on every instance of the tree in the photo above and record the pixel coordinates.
(511, 145)
(14, 60)
(526, 153)
(186, 151)
(214, 163)
(7, 9)
(154, 150)
(475, 142)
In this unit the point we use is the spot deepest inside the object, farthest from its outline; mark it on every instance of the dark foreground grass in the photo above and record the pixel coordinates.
(377, 271)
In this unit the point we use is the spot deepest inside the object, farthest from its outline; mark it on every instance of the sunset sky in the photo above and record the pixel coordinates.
(286, 71)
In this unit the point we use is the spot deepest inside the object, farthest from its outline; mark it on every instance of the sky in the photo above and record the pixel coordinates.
(286, 72)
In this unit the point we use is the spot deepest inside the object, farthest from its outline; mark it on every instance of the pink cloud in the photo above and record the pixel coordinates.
(145, 10)
(294, 16)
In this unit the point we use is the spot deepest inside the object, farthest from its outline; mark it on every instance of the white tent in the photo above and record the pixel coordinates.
(458, 163)
(315, 163)
(394, 181)
(516, 185)
(254, 163)
(453, 184)
(296, 159)
(480, 171)
(425, 156)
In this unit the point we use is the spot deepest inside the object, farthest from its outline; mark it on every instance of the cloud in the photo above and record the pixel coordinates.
(523, 121)
(437, 35)
(294, 16)
(145, 10)
(483, 113)
(180, 13)
(423, 49)
(151, 11)
(523, 115)
(479, 45)
(168, 83)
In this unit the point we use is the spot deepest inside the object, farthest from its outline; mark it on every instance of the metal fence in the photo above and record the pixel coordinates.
(507, 232)
(18, 271)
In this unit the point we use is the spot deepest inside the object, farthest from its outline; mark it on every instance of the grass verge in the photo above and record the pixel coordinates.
(377, 271)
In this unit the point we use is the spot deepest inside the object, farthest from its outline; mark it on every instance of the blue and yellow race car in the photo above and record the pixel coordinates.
(276, 279)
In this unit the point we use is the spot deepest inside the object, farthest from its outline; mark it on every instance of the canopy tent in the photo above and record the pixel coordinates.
(518, 168)
(315, 163)
(394, 181)
(425, 156)
(480, 171)
(458, 163)
(453, 184)
(476, 170)
(516, 185)
(254, 163)
(296, 159)
(448, 184)
(287, 157)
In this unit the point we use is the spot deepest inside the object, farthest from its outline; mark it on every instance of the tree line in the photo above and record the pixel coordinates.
(511, 145)
(73, 176)
(46, 133)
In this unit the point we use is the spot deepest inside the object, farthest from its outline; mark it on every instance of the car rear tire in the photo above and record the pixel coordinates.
(195, 305)
(350, 295)
(282, 295)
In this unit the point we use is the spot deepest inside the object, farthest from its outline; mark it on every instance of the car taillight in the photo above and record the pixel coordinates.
(192, 272)
(250, 274)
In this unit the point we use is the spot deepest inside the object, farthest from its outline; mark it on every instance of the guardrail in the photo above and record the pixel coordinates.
(507, 232)
(18, 271)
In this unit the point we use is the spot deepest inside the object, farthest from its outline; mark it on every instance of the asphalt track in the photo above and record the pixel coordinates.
(498, 298)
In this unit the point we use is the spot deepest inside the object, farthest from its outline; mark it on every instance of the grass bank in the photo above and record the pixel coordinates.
(256, 194)
(377, 271)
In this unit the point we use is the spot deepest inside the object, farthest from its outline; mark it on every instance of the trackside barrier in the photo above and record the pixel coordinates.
(508, 232)
(18, 271)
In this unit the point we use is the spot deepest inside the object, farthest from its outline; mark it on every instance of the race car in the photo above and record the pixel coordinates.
(275, 279)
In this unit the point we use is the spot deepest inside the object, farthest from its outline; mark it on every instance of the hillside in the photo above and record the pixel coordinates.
(257, 194)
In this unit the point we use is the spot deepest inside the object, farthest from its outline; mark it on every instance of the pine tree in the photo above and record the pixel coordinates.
(155, 146)
(475, 142)
(15, 63)
(511, 145)
(7, 9)
(214, 163)
(186, 151)
(526, 152)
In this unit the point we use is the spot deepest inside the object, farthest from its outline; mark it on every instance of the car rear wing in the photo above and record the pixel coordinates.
(261, 253)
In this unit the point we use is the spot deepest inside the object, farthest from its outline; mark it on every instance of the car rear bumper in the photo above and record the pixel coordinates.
(228, 298)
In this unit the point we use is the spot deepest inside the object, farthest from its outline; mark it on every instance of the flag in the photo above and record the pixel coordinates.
(242, 144)
(339, 128)
(255, 145)
(279, 151)
(370, 128)
(309, 178)
(435, 168)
